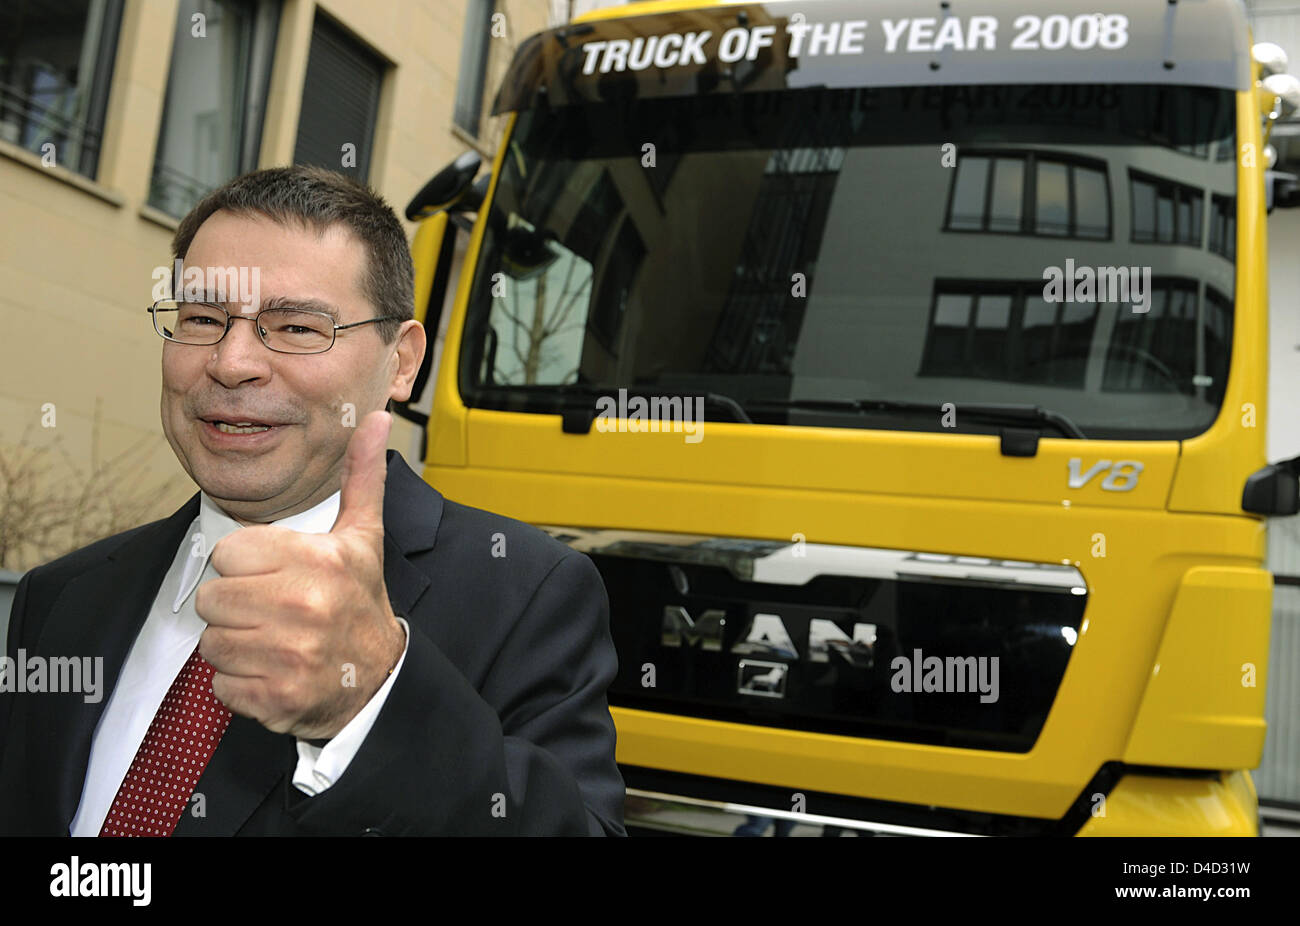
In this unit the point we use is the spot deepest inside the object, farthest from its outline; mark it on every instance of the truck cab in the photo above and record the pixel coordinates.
(905, 377)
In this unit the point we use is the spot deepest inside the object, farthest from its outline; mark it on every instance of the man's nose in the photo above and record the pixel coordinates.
(241, 355)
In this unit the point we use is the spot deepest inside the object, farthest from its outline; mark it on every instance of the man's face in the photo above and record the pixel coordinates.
(301, 399)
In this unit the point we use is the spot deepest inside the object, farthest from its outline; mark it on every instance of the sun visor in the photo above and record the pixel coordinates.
(837, 43)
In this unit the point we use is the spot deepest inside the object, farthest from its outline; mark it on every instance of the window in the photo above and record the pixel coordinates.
(1005, 209)
(537, 321)
(56, 64)
(966, 205)
(340, 103)
(216, 97)
(1165, 212)
(472, 78)
(716, 307)
(1192, 120)
(1223, 226)
(1217, 331)
(1157, 351)
(1052, 215)
(1030, 194)
(601, 204)
(759, 321)
(1005, 330)
(615, 285)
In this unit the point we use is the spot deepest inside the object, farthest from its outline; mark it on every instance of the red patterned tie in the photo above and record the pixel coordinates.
(182, 738)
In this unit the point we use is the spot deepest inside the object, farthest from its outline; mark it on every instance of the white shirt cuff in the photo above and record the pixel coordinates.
(319, 767)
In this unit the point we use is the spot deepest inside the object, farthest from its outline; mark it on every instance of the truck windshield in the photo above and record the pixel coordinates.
(838, 257)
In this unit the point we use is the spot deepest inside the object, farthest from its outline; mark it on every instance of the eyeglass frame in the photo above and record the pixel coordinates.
(231, 319)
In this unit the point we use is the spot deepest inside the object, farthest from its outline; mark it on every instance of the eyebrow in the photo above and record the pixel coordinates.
(282, 302)
(312, 305)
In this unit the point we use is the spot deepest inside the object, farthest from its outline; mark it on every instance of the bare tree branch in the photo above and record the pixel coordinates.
(52, 502)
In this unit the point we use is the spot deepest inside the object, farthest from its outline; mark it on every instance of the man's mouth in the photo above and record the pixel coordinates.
(238, 426)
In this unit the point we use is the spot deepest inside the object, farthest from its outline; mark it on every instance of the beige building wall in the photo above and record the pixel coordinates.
(82, 453)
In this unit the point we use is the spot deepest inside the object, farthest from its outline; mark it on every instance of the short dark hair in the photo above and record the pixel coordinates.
(319, 198)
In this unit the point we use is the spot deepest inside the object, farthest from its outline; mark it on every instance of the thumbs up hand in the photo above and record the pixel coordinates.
(300, 629)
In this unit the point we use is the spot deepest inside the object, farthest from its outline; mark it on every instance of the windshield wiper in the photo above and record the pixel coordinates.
(1018, 414)
(1012, 414)
(830, 405)
(579, 420)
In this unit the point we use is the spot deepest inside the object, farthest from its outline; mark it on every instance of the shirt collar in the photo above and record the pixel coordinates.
(213, 524)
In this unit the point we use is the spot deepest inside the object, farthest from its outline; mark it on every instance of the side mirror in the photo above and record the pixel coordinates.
(475, 195)
(1273, 490)
(526, 253)
(446, 188)
(451, 190)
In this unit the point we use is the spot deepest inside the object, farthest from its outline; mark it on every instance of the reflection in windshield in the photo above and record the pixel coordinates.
(1069, 247)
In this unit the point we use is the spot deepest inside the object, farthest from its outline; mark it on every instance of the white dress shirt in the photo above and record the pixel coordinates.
(161, 649)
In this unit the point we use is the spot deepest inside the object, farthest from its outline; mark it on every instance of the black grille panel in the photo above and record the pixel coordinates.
(1020, 636)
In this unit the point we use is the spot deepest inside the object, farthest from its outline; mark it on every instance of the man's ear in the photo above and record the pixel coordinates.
(409, 349)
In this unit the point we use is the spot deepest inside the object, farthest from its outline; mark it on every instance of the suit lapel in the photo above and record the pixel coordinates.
(249, 762)
(99, 613)
(412, 513)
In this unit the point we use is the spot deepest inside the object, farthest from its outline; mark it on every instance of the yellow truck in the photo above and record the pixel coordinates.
(902, 368)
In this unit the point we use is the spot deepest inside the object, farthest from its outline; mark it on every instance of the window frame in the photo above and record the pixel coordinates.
(1030, 159)
(256, 81)
(974, 290)
(96, 95)
(471, 76)
(332, 30)
(1175, 189)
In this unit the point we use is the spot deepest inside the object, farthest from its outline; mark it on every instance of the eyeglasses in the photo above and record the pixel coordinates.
(285, 330)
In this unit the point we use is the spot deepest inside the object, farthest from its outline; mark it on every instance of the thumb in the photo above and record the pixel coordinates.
(365, 467)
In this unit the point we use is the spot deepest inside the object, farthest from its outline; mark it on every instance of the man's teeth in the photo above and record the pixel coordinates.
(240, 428)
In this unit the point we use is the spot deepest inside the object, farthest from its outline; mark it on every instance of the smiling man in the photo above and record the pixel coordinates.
(317, 642)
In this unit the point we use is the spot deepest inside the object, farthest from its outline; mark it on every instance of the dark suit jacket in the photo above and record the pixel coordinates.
(502, 691)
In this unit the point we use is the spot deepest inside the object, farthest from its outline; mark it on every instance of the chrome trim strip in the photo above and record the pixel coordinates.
(1279, 815)
(797, 563)
(889, 829)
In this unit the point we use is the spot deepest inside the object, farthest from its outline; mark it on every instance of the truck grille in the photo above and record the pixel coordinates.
(887, 644)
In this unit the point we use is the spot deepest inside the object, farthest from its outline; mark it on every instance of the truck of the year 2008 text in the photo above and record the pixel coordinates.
(902, 368)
